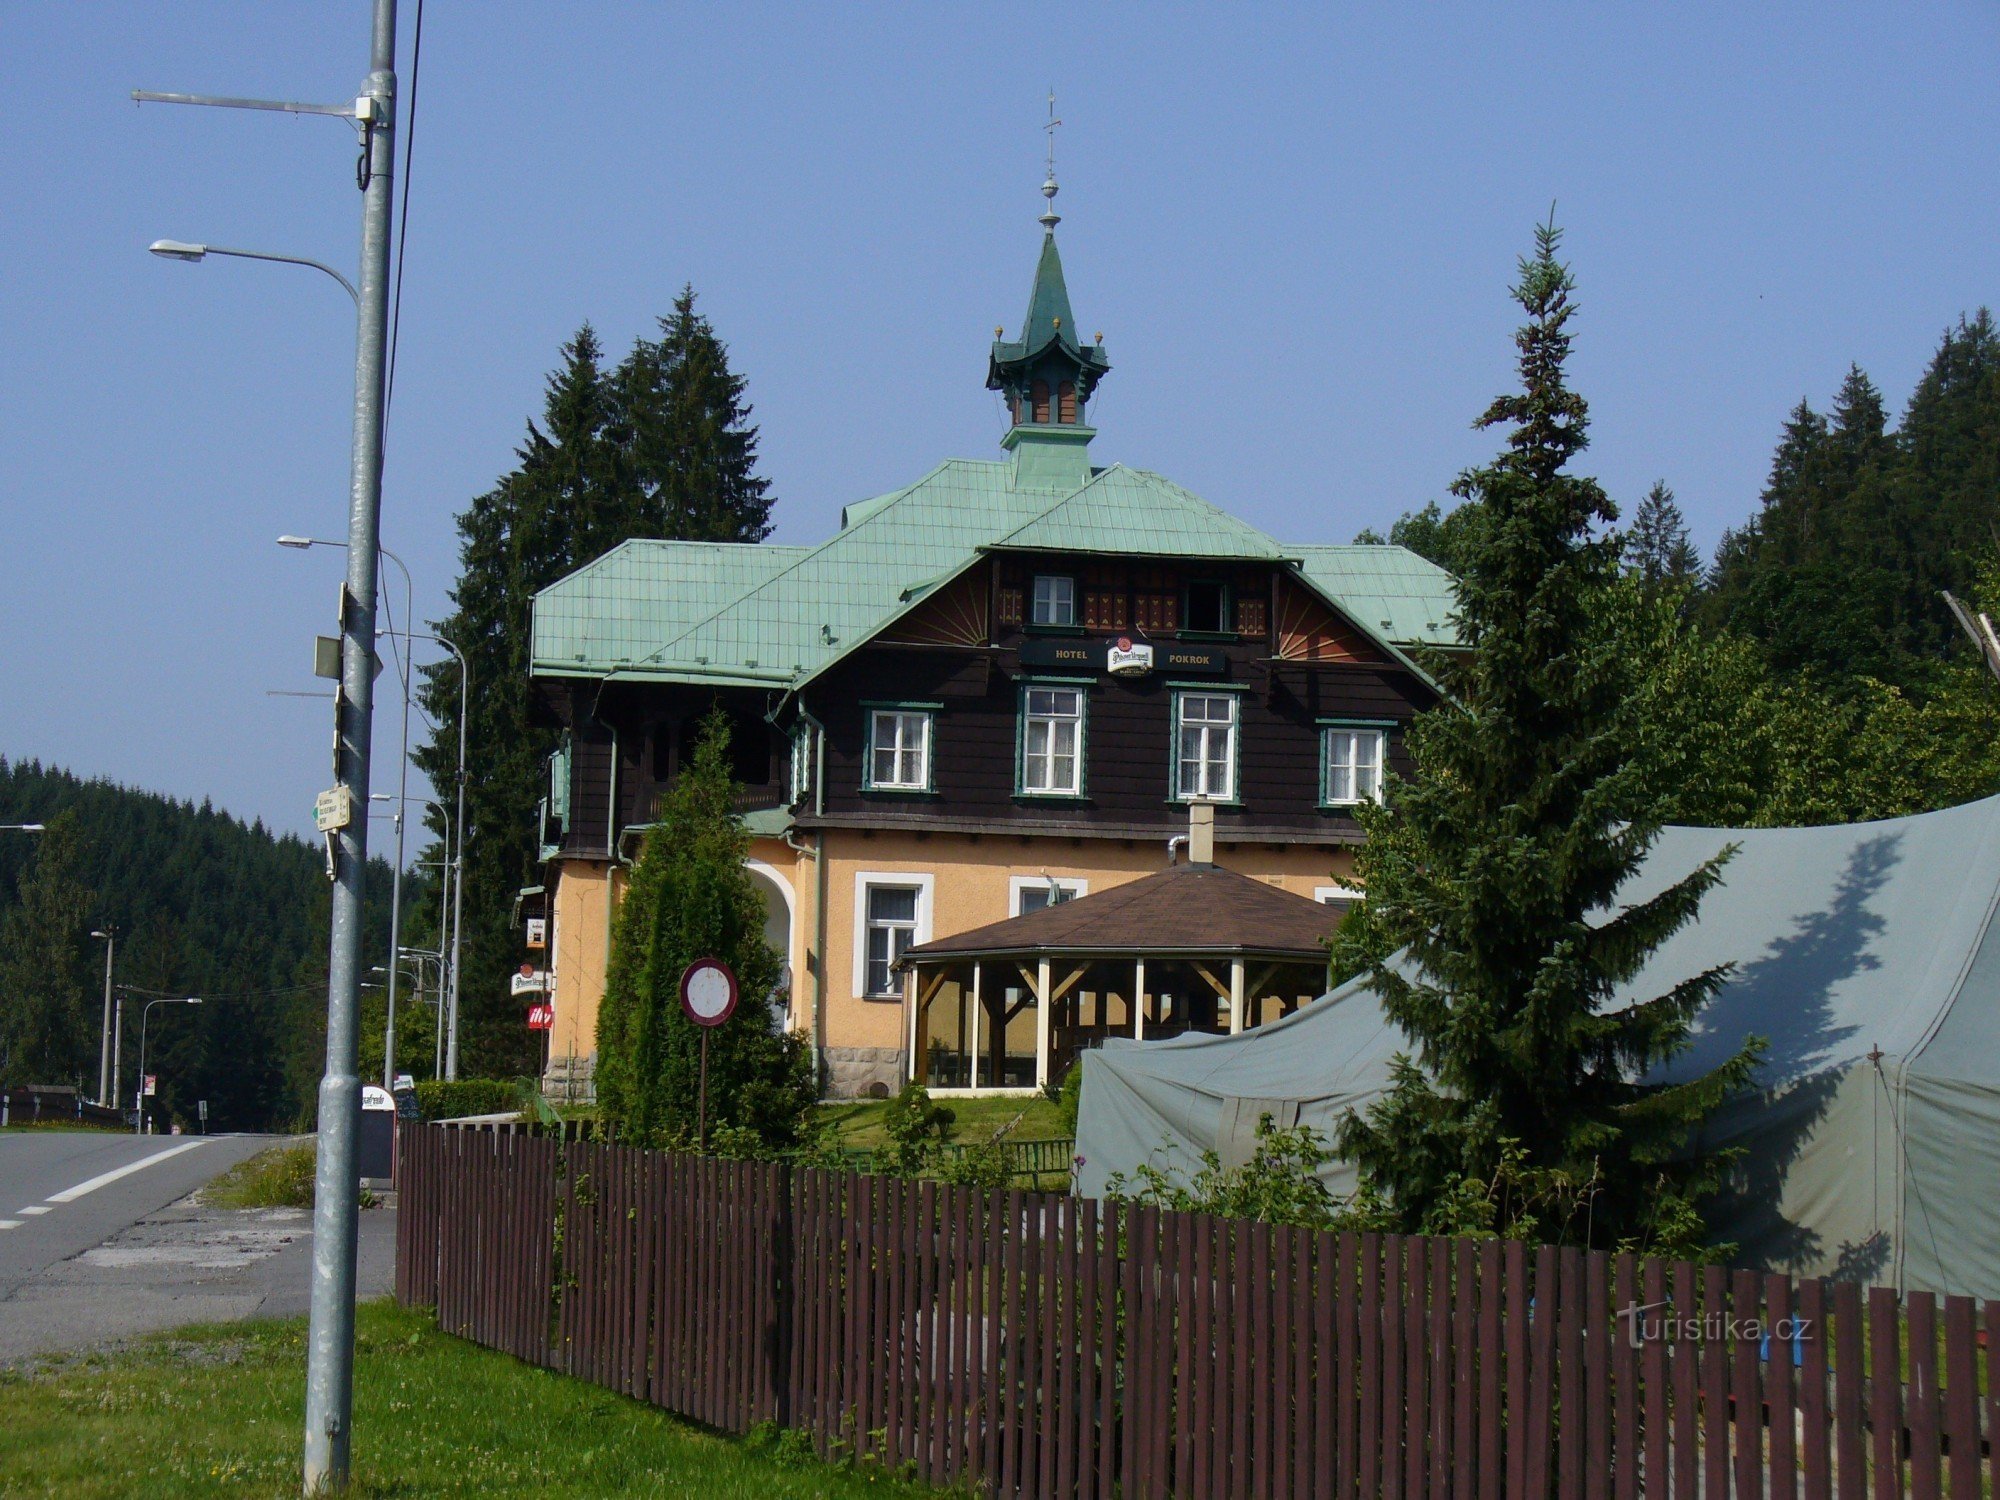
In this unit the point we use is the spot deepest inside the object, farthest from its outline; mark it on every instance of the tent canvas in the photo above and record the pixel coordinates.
(1865, 954)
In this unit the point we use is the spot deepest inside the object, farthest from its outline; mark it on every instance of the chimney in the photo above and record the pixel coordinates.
(1201, 833)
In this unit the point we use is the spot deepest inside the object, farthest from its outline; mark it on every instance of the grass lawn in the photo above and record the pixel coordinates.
(859, 1123)
(217, 1411)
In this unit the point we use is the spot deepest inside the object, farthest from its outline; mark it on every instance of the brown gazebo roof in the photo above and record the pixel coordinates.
(1184, 909)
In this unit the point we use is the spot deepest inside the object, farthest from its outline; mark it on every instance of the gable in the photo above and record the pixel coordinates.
(953, 616)
(1309, 630)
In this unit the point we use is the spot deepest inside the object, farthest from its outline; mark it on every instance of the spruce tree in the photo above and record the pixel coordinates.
(44, 1034)
(691, 898)
(693, 453)
(658, 447)
(1657, 549)
(1494, 869)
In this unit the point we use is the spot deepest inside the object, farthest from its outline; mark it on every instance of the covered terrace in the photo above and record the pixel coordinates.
(1195, 948)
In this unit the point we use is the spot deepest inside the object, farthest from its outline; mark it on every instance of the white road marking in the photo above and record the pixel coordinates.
(39, 1208)
(10, 1223)
(104, 1179)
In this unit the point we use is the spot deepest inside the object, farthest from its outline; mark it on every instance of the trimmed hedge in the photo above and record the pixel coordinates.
(454, 1098)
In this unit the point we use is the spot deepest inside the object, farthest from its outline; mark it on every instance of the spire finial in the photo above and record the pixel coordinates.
(1050, 218)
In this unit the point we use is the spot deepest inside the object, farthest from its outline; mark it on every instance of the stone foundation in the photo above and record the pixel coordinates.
(856, 1072)
(571, 1080)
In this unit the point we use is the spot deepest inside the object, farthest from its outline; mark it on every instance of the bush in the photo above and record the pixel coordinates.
(917, 1126)
(279, 1178)
(454, 1098)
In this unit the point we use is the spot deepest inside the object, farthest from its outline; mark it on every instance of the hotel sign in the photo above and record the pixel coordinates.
(1122, 656)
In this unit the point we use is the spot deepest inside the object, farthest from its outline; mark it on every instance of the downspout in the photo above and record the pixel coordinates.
(610, 890)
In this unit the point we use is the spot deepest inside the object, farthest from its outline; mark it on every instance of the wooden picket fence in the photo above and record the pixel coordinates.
(1037, 1344)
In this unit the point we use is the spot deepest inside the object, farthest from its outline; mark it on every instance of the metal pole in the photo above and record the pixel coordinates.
(139, 1089)
(330, 1332)
(458, 881)
(104, 1090)
(117, 1050)
(402, 805)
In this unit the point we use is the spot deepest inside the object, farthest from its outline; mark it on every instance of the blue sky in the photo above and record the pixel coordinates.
(1295, 227)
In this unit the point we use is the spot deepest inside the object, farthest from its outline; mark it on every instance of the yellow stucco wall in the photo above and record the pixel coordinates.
(970, 884)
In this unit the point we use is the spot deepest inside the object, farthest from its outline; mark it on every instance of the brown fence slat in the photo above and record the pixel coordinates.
(1921, 1398)
(1816, 1470)
(1961, 1396)
(1632, 1412)
(1598, 1388)
(1516, 1423)
(1745, 1388)
(1541, 1370)
(1885, 1407)
(1848, 1379)
(1785, 1351)
(1416, 1366)
(1492, 1370)
(1573, 1420)
(1389, 1423)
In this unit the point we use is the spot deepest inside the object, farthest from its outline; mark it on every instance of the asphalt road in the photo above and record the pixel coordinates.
(99, 1241)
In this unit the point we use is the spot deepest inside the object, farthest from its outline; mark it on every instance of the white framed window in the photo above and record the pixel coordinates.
(1054, 600)
(1351, 760)
(800, 780)
(892, 914)
(1205, 747)
(1026, 893)
(899, 750)
(1051, 741)
(1340, 895)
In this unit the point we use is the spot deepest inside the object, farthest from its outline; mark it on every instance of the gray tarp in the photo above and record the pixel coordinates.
(1865, 955)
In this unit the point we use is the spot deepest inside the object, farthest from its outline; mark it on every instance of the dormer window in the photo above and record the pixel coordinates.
(1055, 600)
(1207, 607)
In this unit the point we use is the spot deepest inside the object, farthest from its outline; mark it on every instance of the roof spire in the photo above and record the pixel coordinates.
(1050, 218)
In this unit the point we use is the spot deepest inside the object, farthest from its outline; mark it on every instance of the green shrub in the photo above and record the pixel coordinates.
(279, 1178)
(454, 1098)
(917, 1126)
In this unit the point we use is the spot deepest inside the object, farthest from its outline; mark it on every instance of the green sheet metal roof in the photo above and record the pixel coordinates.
(639, 594)
(768, 616)
(1049, 320)
(1407, 598)
(1134, 512)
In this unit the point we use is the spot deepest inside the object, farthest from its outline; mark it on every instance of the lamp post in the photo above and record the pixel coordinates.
(181, 250)
(139, 1104)
(106, 1093)
(303, 543)
(458, 868)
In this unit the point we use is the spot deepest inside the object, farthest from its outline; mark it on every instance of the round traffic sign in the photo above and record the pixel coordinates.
(708, 992)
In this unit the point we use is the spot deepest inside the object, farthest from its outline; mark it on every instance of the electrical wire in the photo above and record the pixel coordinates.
(403, 220)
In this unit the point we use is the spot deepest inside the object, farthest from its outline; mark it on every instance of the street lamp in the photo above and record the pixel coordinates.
(458, 882)
(301, 544)
(107, 1090)
(139, 1100)
(181, 250)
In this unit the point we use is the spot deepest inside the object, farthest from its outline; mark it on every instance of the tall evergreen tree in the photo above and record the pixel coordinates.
(1657, 549)
(693, 453)
(657, 447)
(44, 1036)
(691, 898)
(1495, 868)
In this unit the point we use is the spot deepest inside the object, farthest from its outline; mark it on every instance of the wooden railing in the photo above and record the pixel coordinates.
(1035, 1344)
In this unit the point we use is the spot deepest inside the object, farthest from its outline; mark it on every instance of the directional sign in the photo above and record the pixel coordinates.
(333, 809)
(708, 992)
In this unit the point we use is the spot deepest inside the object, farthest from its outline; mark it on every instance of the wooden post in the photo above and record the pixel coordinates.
(1139, 1001)
(978, 1015)
(1235, 996)
(1044, 1003)
(910, 1001)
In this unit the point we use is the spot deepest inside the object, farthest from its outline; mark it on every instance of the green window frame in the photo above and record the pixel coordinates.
(1032, 689)
(1329, 762)
(1176, 789)
(1226, 611)
(911, 754)
(1069, 597)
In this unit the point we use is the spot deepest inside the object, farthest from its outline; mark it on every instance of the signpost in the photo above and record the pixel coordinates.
(708, 995)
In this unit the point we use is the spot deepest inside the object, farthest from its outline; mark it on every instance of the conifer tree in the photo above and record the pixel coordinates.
(1494, 869)
(657, 447)
(1657, 549)
(43, 1031)
(691, 898)
(693, 453)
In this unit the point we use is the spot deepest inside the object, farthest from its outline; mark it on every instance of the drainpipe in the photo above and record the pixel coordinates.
(1173, 847)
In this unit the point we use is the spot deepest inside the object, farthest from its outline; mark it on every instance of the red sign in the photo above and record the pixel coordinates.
(708, 992)
(541, 1017)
